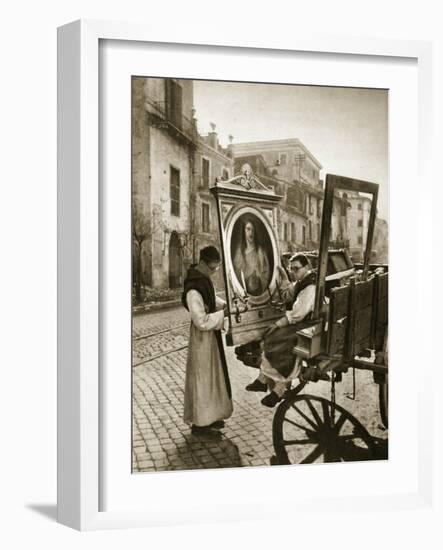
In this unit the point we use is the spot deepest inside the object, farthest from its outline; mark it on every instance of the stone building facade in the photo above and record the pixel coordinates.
(290, 162)
(291, 212)
(380, 241)
(173, 214)
(163, 146)
(212, 162)
(296, 173)
(358, 223)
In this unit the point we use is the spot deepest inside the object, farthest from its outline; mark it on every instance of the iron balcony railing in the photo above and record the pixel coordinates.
(166, 117)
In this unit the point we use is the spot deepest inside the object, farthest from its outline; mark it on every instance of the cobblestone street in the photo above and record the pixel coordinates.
(162, 441)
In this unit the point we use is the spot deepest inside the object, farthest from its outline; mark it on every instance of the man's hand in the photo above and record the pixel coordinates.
(225, 310)
(282, 274)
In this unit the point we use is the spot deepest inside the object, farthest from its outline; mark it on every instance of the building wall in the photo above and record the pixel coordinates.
(313, 213)
(155, 93)
(291, 162)
(220, 165)
(141, 188)
(380, 241)
(358, 231)
(167, 153)
(155, 150)
(287, 159)
(298, 222)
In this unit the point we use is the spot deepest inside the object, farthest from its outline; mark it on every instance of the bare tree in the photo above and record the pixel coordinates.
(141, 232)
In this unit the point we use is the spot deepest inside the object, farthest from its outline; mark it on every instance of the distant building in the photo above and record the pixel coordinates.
(212, 161)
(358, 223)
(339, 236)
(289, 161)
(291, 212)
(296, 172)
(380, 241)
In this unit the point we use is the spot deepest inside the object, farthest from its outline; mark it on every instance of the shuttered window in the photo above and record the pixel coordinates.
(174, 102)
(206, 227)
(174, 187)
(205, 172)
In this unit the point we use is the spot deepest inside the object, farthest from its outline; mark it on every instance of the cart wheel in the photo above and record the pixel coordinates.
(383, 387)
(304, 432)
(383, 395)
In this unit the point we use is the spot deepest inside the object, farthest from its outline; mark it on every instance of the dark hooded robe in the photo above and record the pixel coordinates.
(278, 345)
(207, 385)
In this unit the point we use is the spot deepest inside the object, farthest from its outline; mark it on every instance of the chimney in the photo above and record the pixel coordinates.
(230, 152)
(213, 138)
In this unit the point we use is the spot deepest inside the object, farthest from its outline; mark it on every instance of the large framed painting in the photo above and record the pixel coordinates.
(247, 212)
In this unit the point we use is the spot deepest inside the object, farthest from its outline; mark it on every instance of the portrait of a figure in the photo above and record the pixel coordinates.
(251, 252)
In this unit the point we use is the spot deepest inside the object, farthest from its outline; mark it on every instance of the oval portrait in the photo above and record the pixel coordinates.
(252, 254)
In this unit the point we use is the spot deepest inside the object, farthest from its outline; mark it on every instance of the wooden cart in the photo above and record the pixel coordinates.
(349, 330)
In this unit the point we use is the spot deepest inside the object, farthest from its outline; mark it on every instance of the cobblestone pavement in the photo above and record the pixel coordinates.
(162, 441)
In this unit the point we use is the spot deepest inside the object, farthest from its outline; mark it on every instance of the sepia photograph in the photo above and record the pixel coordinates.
(260, 268)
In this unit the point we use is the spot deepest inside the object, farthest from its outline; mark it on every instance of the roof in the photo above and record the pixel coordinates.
(242, 149)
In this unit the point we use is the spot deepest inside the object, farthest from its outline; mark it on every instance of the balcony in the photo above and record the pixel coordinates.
(164, 117)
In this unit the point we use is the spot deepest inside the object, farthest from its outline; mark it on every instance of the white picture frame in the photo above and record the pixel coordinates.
(80, 414)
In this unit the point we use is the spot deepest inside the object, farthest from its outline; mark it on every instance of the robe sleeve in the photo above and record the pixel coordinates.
(302, 306)
(202, 320)
(219, 303)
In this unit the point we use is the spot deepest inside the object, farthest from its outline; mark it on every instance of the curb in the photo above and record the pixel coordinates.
(155, 306)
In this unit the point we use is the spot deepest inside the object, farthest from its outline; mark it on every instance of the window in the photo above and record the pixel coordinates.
(206, 228)
(174, 102)
(174, 189)
(282, 158)
(360, 240)
(293, 236)
(310, 230)
(293, 197)
(304, 235)
(285, 231)
(318, 232)
(360, 223)
(359, 206)
(205, 172)
(318, 208)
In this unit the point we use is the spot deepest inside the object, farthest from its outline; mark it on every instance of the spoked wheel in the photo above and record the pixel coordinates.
(310, 429)
(383, 387)
(383, 396)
